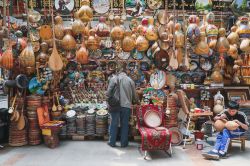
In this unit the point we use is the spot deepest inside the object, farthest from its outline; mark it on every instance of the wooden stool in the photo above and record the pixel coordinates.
(240, 140)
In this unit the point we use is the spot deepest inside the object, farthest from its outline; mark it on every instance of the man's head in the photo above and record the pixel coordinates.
(233, 107)
(122, 67)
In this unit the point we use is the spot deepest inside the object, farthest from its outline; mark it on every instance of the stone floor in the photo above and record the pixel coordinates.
(81, 153)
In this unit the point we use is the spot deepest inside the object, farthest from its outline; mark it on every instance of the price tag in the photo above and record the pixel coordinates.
(46, 132)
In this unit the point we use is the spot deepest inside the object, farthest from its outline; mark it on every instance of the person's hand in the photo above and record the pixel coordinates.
(237, 121)
(223, 116)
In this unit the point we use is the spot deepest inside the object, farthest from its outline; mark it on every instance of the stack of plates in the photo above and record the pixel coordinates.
(90, 125)
(34, 134)
(17, 137)
(81, 124)
(101, 122)
(63, 131)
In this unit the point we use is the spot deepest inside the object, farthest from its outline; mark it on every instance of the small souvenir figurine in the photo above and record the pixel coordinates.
(218, 103)
(202, 47)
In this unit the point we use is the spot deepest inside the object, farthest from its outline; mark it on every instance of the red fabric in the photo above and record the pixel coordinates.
(153, 139)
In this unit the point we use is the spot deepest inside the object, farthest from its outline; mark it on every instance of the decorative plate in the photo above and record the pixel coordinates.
(35, 87)
(193, 65)
(158, 79)
(123, 55)
(156, 96)
(144, 66)
(137, 55)
(196, 78)
(135, 8)
(155, 4)
(206, 64)
(132, 66)
(186, 78)
(101, 6)
(96, 54)
(152, 119)
(108, 53)
(112, 65)
(138, 77)
(96, 76)
(177, 136)
(102, 112)
(64, 6)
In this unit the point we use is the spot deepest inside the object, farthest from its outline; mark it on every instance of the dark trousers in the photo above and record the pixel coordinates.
(123, 114)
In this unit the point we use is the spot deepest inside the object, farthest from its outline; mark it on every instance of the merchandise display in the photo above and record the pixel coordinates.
(184, 56)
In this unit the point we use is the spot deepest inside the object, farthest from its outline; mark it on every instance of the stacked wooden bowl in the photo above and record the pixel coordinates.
(172, 118)
(17, 137)
(34, 134)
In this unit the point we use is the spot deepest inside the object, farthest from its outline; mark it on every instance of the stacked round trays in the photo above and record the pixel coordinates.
(71, 122)
(81, 124)
(172, 119)
(17, 137)
(90, 125)
(101, 122)
(34, 134)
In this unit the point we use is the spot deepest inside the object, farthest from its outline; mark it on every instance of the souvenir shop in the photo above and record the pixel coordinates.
(188, 58)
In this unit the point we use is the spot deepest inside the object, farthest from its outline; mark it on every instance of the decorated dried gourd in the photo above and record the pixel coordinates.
(59, 29)
(203, 5)
(245, 45)
(68, 41)
(171, 25)
(93, 42)
(117, 32)
(222, 45)
(77, 26)
(128, 43)
(82, 56)
(27, 57)
(151, 33)
(231, 125)
(43, 57)
(85, 13)
(179, 36)
(218, 107)
(203, 24)
(233, 37)
(211, 31)
(193, 31)
(243, 28)
(202, 47)
(7, 60)
(141, 43)
(102, 29)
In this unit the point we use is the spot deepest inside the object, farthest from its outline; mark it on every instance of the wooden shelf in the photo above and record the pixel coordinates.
(201, 114)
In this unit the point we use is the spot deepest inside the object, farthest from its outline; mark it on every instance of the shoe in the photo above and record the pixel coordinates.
(211, 155)
(223, 156)
(124, 146)
(111, 145)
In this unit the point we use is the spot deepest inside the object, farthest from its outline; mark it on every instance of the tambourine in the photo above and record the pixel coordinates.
(101, 6)
(155, 4)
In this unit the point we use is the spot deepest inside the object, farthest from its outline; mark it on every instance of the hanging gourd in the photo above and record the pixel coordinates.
(82, 56)
(128, 43)
(102, 29)
(27, 57)
(117, 33)
(59, 29)
(93, 42)
(233, 37)
(244, 28)
(202, 47)
(43, 57)
(77, 26)
(21, 42)
(141, 43)
(85, 13)
(151, 33)
(68, 41)
(179, 36)
(222, 45)
(211, 31)
(193, 31)
(7, 60)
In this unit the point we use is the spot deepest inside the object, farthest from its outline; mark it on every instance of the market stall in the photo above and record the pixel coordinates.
(184, 56)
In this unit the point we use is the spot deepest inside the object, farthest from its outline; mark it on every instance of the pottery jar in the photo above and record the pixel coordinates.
(68, 41)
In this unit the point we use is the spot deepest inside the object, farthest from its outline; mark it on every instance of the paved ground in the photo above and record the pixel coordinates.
(81, 153)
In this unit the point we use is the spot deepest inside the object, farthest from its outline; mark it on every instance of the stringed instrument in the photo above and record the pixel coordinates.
(55, 61)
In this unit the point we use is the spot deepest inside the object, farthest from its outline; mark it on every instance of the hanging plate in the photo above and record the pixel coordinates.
(152, 119)
(144, 66)
(64, 7)
(158, 79)
(112, 65)
(137, 55)
(177, 136)
(101, 6)
(186, 78)
(123, 55)
(135, 8)
(138, 77)
(154, 4)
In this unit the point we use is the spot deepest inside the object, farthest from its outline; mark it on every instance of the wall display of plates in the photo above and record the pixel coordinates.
(123, 55)
(112, 65)
(138, 77)
(132, 66)
(108, 53)
(95, 54)
(135, 8)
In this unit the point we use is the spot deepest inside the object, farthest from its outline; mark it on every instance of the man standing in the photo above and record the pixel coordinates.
(127, 95)
(223, 138)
